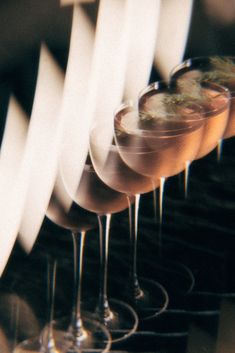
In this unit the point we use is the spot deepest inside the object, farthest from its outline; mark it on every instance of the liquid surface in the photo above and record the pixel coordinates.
(166, 142)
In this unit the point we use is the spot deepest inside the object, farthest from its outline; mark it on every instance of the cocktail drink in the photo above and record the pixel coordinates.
(163, 136)
(181, 122)
(171, 126)
(220, 70)
(118, 175)
(94, 195)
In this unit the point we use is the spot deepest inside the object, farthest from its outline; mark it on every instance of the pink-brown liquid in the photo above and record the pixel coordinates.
(93, 195)
(115, 173)
(192, 74)
(160, 150)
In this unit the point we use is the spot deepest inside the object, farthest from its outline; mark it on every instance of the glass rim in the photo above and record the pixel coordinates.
(197, 59)
(162, 133)
(190, 60)
(153, 85)
(221, 89)
(162, 84)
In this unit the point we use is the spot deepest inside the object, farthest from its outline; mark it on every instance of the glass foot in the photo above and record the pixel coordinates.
(34, 345)
(153, 300)
(176, 277)
(179, 278)
(123, 321)
(96, 338)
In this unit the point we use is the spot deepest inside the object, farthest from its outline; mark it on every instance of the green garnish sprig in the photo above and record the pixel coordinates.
(223, 70)
(189, 92)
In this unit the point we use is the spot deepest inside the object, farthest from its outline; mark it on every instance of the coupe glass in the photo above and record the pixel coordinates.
(160, 138)
(93, 195)
(217, 69)
(197, 134)
(148, 297)
(178, 122)
(80, 333)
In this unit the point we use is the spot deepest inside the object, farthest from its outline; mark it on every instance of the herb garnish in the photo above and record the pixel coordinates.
(223, 70)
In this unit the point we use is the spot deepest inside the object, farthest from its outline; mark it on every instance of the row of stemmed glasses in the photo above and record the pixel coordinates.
(95, 196)
(133, 163)
(166, 133)
(150, 143)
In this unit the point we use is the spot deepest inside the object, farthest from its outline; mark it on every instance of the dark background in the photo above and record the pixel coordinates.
(198, 232)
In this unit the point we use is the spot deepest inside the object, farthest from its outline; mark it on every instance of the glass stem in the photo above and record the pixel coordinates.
(78, 247)
(133, 222)
(186, 178)
(104, 230)
(154, 200)
(47, 334)
(161, 201)
(219, 149)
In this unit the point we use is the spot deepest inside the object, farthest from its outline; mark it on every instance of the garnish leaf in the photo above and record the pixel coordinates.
(223, 70)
